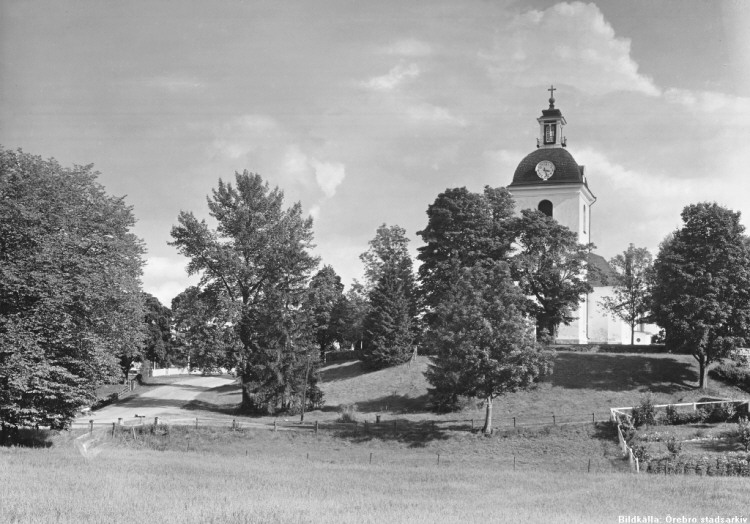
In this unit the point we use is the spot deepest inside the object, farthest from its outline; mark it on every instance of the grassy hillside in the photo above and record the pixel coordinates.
(428, 469)
(581, 384)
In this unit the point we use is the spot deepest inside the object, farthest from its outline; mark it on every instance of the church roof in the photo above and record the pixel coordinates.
(600, 272)
(567, 171)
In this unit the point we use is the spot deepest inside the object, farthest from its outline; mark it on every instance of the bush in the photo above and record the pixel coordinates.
(645, 413)
(673, 445)
(743, 432)
(348, 413)
(732, 372)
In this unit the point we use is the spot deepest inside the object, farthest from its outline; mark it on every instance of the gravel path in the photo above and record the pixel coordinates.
(162, 401)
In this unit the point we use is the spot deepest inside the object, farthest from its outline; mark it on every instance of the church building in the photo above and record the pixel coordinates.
(550, 180)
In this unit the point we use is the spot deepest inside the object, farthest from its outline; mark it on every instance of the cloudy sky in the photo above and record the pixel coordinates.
(365, 111)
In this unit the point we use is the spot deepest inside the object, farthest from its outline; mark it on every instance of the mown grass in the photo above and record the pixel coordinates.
(581, 384)
(419, 471)
(261, 476)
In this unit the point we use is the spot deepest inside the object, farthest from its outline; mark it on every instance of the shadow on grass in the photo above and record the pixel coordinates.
(26, 438)
(618, 372)
(415, 434)
(343, 371)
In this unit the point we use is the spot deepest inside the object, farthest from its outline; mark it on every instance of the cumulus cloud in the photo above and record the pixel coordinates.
(244, 135)
(394, 78)
(328, 175)
(569, 43)
(165, 278)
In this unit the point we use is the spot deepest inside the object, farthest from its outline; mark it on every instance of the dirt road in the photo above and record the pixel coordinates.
(162, 401)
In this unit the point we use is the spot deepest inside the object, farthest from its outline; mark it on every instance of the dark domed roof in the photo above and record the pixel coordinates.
(567, 171)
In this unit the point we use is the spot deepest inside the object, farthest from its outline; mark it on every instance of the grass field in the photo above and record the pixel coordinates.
(249, 476)
(421, 472)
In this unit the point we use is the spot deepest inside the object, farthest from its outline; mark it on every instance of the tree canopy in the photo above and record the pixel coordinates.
(701, 293)
(327, 306)
(550, 268)
(258, 257)
(482, 344)
(70, 301)
(463, 228)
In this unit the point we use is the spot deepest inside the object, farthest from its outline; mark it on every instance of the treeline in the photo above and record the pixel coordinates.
(491, 289)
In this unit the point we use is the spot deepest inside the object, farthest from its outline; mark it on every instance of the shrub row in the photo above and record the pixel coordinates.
(645, 414)
(724, 466)
(733, 373)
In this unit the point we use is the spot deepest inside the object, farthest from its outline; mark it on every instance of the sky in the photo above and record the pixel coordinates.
(365, 111)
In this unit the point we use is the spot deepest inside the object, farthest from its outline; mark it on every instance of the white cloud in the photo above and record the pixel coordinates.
(395, 77)
(329, 175)
(431, 114)
(244, 135)
(165, 278)
(409, 47)
(571, 44)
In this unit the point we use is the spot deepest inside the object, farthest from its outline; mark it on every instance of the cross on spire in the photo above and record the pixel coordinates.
(552, 90)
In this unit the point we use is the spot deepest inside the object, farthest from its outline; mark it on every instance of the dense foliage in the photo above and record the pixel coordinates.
(482, 345)
(327, 306)
(71, 308)
(258, 260)
(157, 346)
(701, 292)
(550, 268)
(463, 229)
(390, 325)
(204, 333)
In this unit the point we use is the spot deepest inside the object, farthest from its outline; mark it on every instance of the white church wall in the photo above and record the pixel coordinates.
(567, 206)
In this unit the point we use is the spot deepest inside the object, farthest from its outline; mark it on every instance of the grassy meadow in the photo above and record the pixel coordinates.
(418, 472)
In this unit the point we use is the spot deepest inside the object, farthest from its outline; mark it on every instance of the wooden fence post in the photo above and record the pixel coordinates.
(514, 422)
(514, 462)
(274, 425)
(91, 426)
(113, 430)
(370, 458)
(592, 418)
(316, 426)
(553, 420)
(196, 422)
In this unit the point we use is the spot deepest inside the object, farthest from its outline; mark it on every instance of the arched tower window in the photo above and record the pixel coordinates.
(545, 206)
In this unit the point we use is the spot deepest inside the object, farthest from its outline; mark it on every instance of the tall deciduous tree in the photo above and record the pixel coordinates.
(482, 344)
(158, 342)
(631, 296)
(259, 257)
(326, 304)
(701, 293)
(390, 327)
(463, 229)
(204, 329)
(550, 267)
(70, 298)
(357, 307)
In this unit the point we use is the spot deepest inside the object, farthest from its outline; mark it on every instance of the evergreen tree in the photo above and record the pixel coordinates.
(390, 327)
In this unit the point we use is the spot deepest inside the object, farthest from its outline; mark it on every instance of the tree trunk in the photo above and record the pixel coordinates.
(632, 334)
(487, 429)
(702, 372)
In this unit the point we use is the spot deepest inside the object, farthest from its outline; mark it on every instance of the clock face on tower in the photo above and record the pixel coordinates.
(545, 169)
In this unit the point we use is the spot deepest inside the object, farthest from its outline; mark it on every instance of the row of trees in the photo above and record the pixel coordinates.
(491, 288)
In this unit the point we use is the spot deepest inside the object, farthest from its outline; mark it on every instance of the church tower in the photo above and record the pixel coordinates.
(550, 180)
